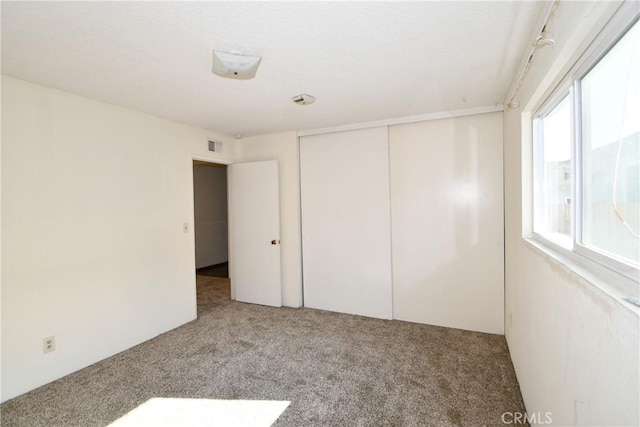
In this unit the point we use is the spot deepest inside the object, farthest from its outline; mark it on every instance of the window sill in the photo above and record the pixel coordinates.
(614, 285)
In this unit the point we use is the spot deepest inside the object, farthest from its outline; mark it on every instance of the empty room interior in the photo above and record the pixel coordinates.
(320, 213)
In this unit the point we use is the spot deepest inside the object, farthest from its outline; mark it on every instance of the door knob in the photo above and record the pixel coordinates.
(275, 242)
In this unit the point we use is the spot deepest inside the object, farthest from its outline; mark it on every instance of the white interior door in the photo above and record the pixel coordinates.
(254, 233)
(346, 242)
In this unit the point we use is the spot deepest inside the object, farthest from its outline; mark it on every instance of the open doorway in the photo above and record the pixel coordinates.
(211, 231)
(210, 219)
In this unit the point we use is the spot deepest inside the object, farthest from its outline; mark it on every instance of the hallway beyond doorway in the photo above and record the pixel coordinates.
(218, 270)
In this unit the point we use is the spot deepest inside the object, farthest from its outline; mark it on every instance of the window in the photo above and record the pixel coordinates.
(587, 158)
(553, 197)
(610, 106)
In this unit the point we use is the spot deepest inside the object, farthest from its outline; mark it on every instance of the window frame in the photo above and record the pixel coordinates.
(623, 276)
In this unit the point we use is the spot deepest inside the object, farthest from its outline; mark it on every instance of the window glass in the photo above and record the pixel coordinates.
(610, 118)
(555, 178)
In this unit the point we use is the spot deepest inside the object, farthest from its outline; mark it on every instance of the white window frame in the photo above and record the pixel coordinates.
(622, 276)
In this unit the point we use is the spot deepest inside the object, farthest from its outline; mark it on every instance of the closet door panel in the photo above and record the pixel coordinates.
(346, 243)
(447, 222)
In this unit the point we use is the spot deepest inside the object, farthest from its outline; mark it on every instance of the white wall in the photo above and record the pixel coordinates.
(210, 205)
(574, 348)
(1, 314)
(93, 202)
(283, 147)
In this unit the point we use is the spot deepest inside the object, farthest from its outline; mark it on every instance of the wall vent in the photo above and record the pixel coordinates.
(215, 146)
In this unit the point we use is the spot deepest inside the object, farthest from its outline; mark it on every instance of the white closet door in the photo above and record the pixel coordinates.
(346, 243)
(448, 240)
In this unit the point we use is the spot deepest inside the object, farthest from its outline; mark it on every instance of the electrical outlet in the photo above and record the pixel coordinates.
(48, 344)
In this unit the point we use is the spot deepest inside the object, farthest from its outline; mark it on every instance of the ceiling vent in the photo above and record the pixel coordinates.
(235, 65)
(304, 99)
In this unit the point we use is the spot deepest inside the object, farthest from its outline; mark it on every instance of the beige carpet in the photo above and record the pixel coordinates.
(335, 369)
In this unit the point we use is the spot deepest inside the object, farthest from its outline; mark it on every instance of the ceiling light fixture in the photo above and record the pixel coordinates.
(304, 99)
(235, 65)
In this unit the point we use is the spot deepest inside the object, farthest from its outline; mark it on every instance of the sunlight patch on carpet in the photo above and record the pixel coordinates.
(165, 412)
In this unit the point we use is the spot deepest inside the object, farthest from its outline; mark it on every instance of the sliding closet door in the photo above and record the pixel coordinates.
(447, 227)
(346, 243)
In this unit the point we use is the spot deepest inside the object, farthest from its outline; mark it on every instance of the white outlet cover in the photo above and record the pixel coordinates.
(48, 344)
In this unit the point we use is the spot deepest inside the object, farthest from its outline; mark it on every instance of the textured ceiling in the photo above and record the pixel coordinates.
(363, 61)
